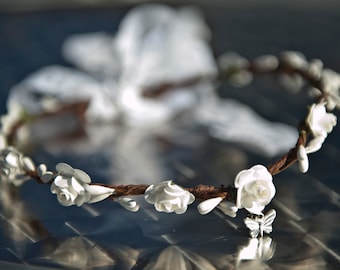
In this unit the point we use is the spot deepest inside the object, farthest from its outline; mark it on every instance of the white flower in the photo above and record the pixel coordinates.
(70, 184)
(207, 206)
(72, 187)
(255, 189)
(303, 159)
(330, 82)
(169, 197)
(319, 121)
(320, 124)
(14, 165)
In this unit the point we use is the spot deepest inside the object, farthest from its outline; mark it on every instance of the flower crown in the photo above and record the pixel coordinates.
(253, 188)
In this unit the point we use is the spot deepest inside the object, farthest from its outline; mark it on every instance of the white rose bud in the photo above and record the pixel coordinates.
(169, 197)
(72, 187)
(255, 189)
(207, 206)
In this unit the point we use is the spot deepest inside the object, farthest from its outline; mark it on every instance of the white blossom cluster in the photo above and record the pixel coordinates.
(236, 67)
(14, 166)
(72, 186)
(320, 123)
(329, 79)
(255, 189)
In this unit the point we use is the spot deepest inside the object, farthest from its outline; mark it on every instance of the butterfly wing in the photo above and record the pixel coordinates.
(253, 226)
(268, 221)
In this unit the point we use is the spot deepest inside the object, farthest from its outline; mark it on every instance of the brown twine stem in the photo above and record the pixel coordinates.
(202, 192)
(154, 91)
(289, 158)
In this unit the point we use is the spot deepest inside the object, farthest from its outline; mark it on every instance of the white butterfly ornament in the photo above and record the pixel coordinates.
(260, 224)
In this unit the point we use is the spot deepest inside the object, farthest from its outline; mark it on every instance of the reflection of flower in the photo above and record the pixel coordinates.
(257, 250)
(79, 253)
(72, 187)
(255, 189)
(14, 165)
(21, 226)
(176, 257)
(169, 197)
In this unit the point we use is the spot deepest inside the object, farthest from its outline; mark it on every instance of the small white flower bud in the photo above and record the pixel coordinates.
(98, 193)
(28, 164)
(294, 59)
(241, 78)
(207, 206)
(315, 68)
(128, 204)
(315, 144)
(228, 208)
(44, 175)
(266, 63)
(303, 159)
(232, 60)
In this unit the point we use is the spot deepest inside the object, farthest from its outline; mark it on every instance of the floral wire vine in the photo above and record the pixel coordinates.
(253, 188)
